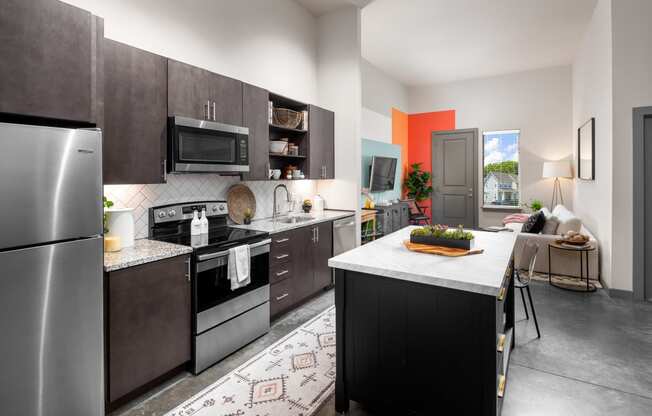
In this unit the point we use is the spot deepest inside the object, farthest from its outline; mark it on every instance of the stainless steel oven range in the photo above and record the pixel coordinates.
(224, 320)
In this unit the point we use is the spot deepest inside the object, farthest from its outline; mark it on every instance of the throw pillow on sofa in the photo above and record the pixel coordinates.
(535, 223)
(550, 227)
(567, 220)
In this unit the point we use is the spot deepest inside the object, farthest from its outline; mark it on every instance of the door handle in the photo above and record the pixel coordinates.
(214, 112)
(188, 269)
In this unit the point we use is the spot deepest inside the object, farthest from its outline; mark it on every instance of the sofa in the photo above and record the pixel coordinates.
(563, 262)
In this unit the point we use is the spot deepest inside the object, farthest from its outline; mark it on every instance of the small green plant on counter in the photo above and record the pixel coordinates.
(247, 216)
(534, 205)
(442, 231)
(105, 218)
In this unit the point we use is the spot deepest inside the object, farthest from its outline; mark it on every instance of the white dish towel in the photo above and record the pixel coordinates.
(239, 266)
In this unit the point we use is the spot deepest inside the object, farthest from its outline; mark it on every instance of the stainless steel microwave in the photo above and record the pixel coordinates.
(206, 146)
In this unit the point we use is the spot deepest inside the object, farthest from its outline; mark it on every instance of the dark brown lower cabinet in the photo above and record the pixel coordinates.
(299, 265)
(147, 325)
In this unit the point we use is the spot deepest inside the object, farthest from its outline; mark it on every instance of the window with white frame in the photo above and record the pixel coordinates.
(500, 179)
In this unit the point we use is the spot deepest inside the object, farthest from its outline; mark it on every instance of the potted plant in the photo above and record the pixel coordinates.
(307, 205)
(105, 218)
(247, 216)
(441, 235)
(417, 183)
(534, 205)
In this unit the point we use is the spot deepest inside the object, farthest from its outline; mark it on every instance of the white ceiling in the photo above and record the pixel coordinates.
(421, 42)
(319, 7)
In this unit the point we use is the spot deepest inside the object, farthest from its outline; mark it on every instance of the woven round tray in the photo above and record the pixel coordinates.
(239, 198)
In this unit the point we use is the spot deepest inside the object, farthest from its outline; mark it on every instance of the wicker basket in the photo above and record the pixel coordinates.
(285, 117)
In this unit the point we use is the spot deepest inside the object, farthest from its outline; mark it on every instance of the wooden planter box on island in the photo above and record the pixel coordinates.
(442, 242)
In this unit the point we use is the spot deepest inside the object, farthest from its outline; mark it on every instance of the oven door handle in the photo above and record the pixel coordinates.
(224, 253)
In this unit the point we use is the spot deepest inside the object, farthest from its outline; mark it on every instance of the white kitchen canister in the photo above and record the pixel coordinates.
(121, 224)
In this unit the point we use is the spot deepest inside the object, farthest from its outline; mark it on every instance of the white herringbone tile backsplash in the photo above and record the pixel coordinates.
(196, 187)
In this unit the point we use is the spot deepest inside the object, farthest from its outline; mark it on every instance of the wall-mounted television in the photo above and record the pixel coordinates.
(383, 174)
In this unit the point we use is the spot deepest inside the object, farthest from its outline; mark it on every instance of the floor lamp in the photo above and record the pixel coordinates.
(561, 169)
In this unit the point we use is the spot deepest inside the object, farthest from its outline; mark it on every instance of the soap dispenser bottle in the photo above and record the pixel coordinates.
(203, 222)
(195, 224)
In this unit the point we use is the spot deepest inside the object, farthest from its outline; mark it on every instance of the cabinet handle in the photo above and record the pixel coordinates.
(283, 296)
(165, 170)
(501, 386)
(282, 256)
(314, 237)
(501, 294)
(188, 268)
(501, 343)
(207, 110)
(282, 240)
(284, 272)
(317, 230)
(214, 116)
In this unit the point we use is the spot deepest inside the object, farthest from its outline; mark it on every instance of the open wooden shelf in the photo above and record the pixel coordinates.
(274, 127)
(287, 156)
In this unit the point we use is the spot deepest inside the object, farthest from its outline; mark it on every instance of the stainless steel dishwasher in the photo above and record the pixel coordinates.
(343, 235)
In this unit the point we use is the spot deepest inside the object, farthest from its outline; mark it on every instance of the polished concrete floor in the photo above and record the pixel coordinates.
(594, 358)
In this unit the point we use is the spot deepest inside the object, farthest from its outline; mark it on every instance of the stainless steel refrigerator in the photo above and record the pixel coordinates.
(51, 290)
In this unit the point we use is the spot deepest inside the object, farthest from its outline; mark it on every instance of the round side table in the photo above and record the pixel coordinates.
(584, 257)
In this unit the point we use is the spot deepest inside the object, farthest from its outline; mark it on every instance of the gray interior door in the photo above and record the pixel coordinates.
(454, 181)
(647, 137)
(51, 309)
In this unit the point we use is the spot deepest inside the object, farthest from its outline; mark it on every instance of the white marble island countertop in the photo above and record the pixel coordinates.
(143, 251)
(388, 257)
(273, 227)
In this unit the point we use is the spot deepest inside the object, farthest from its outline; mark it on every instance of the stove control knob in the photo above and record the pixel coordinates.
(161, 214)
(172, 213)
(222, 207)
(214, 208)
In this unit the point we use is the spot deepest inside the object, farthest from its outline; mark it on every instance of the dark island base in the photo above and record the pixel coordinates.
(420, 349)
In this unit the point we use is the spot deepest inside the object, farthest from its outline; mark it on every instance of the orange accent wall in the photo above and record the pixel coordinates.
(400, 138)
(420, 127)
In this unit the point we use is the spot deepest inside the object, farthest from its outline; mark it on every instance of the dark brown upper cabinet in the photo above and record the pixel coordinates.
(135, 111)
(200, 94)
(321, 130)
(51, 63)
(255, 117)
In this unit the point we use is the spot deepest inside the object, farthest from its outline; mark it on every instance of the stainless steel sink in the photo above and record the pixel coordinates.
(295, 219)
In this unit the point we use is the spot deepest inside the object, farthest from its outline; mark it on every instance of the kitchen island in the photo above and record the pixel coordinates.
(420, 333)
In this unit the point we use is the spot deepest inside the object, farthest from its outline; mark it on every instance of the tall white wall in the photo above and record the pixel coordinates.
(632, 87)
(269, 43)
(593, 97)
(380, 93)
(539, 103)
(340, 90)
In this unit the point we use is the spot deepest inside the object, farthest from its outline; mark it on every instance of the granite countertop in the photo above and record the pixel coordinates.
(273, 227)
(143, 251)
(479, 273)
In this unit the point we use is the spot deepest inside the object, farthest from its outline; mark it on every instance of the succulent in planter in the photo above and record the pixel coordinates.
(441, 235)
(248, 214)
(307, 205)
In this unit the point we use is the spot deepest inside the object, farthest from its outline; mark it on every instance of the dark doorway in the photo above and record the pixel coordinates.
(643, 203)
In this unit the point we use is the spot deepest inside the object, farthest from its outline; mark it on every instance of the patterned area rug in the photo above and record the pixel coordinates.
(293, 377)
(567, 281)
